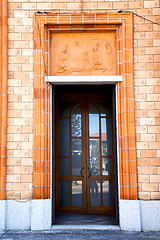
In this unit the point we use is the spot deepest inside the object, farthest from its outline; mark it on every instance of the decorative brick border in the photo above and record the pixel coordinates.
(122, 24)
(3, 96)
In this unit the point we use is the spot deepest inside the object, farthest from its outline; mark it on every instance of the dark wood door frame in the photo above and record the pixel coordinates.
(85, 135)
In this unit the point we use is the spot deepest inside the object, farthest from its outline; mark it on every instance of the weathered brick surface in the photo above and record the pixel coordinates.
(20, 89)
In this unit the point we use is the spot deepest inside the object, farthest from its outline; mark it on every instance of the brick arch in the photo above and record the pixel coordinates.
(3, 97)
(122, 24)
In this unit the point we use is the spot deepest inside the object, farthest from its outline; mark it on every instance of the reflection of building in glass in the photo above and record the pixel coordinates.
(76, 156)
(95, 156)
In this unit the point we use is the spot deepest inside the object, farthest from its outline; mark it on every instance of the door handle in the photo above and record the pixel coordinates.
(81, 172)
(89, 171)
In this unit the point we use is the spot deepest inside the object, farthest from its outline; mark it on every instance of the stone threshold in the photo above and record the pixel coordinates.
(85, 227)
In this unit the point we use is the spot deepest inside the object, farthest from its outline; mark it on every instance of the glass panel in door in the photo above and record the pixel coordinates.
(70, 178)
(100, 172)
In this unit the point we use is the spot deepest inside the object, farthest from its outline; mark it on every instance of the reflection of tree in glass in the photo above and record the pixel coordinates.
(94, 148)
(94, 153)
(76, 125)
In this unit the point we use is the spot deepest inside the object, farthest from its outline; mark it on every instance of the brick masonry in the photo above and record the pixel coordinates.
(3, 97)
(20, 89)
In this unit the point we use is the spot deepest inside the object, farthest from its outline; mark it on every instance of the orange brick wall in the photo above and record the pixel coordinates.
(20, 89)
(3, 97)
(41, 118)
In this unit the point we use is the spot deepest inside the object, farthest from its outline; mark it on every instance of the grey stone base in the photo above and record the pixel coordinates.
(138, 215)
(2, 215)
(41, 214)
(129, 215)
(25, 214)
(135, 215)
(150, 215)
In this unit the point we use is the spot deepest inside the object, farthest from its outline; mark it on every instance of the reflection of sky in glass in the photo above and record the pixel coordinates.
(93, 124)
(103, 125)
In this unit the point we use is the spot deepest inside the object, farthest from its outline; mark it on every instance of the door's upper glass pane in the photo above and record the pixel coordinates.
(106, 143)
(94, 150)
(93, 121)
(76, 121)
(76, 156)
(106, 166)
(64, 166)
(64, 137)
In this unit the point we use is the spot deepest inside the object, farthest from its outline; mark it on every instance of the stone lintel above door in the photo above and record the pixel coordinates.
(58, 80)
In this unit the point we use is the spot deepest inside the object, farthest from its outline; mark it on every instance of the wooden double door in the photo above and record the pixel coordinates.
(84, 154)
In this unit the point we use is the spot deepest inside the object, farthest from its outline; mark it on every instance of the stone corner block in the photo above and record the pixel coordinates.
(2, 215)
(41, 214)
(150, 214)
(129, 212)
(18, 214)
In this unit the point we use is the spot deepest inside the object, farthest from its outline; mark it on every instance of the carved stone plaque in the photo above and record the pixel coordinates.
(83, 54)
